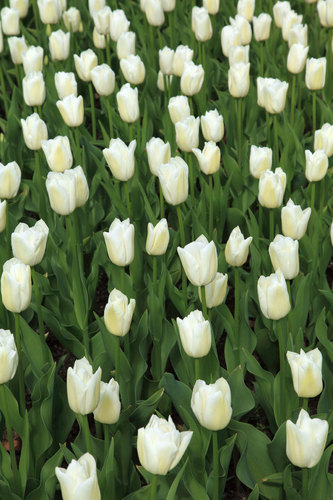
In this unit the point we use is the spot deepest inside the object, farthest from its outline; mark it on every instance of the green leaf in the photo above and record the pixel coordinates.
(146, 408)
(176, 481)
(241, 397)
(48, 481)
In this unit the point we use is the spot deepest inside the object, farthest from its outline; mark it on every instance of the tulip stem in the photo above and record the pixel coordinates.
(108, 106)
(239, 130)
(182, 242)
(128, 201)
(329, 64)
(77, 141)
(304, 403)
(155, 274)
(305, 478)
(39, 313)
(153, 488)
(17, 482)
(211, 207)
(86, 432)
(39, 184)
(260, 221)
(190, 166)
(215, 465)
(313, 196)
(276, 140)
(314, 111)
(117, 357)
(92, 107)
(271, 225)
(236, 309)
(292, 104)
(282, 369)
(17, 336)
(161, 200)
(107, 43)
(203, 301)
(3, 91)
(196, 369)
(268, 127)
(261, 63)
(106, 428)
(8, 233)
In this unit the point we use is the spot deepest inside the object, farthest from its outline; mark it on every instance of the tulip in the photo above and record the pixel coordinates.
(195, 334)
(306, 372)
(192, 78)
(244, 28)
(71, 110)
(272, 94)
(158, 152)
(102, 19)
(160, 80)
(324, 139)
(297, 58)
(108, 409)
(83, 387)
(118, 311)
(157, 238)
(211, 404)
(168, 5)
(21, 5)
(161, 446)
(283, 252)
(201, 24)
(183, 54)
(65, 84)
(260, 160)
(279, 10)
(34, 132)
(239, 80)
(118, 24)
(239, 54)
(10, 179)
(79, 480)
(209, 158)
(126, 44)
(103, 79)
(8, 356)
(306, 440)
(230, 37)
(179, 108)
(50, 11)
(290, 19)
(133, 69)
(98, 40)
(216, 290)
(34, 89)
(128, 103)
(298, 33)
(237, 248)
(72, 20)
(245, 8)
(81, 185)
(154, 12)
(262, 27)
(199, 259)
(173, 177)
(120, 242)
(212, 6)
(29, 243)
(33, 59)
(271, 188)
(187, 133)
(3, 217)
(294, 220)
(166, 57)
(59, 45)
(85, 63)
(95, 5)
(58, 153)
(17, 47)
(316, 165)
(67, 190)
(120, 159)
(273, 295)
(16, 285)
(10, 21)
(212, 126)
(325, 11)
(315, 73)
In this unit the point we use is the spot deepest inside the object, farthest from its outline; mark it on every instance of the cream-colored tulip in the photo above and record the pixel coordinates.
(72, 20)
(65, 84)
(315, 73)
(118, 24)
(10, 21)
(173, 177)
(71, 110)
(3, 215)
(166, 57)
(324, 139)
(126, 44)
(260, 160)
(316, 165)
(17, 47)
(294, 220)
(199, 260)
(215, 290)
(10, 180)
(16, 285)
(239, 79)
(289, 19)
(119, 242)
(209, 158)
(297, 58)
(195, 334)
(59, 45)
(128, 103)
(273, 296)
(245, 8)
(8, 356)
(244, 27)
(58, 153)
(29, 243)
(262, 27)
(157, 238)
(103, 79)
(201, 24)
(79, 480)
(179, 108)
(108, 409)
(120, 158)
(85, 63)
(33, 59)
(211, 404)
(283, 252)
(272, 186)
(298, 33)
(133, 69)
(158, 152)
(34, 131)
(34, 89)
(230, 37)
(187, 133)
(306, 372)
(118, 313)
(237, 248)
(83, 387)
(183, 54)
(192, 78)
(279, 11)
(212, 126)
(239, 54)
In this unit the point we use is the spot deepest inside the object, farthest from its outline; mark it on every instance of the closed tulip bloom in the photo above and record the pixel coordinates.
(83, 387)
(199, 260)
(16, 285)
(158, 152)
(161, 446)
(239, 80)
(244, 28)
(34, 131)
(230, 37)
(179, 108)
(8, 356)
(17, 47)
(10, 179)
(99, 41)
(195, 334)
(120, 242)
(168, 5)
(306, 440)
(61, 191)
(59, 45)
(212, 6)
(71, 110)
(126, 44)
(81, 185)
(21, 5)
(283, 252)
(120, 158)
(173, 177)
(154, 12)
(79, 480)
(166, 57)
(50, 11)
(289, 19)
(3, 210)
(157, 238)
(272, 186)
(128, 103)
(118, 24)
(133, 69)
(294, 220)
(33, 59)
(209, 158)
(103, 78)
(245, 8)
(212, 126)
(108, 409)
(10, 21)
(201, 24)
(34, 89)
(58, 153)
(315, 73)
(183, 54)
(316, 165)
(273, 295)
(260, 160)
(272, 94)
(72, 20)
(297, 58)
(187, 133)
(215, 290)
(85, 63)
(262, 27)
(95, 5)
(324, 139)
(118, 313)
(298, 33)
(325, 11)
(192, 78)
(211, 404)
(29, 243)
(237, 248)
(279, 10)
(102, 20)
(160, 80)
(65, 84)
(306, 372)
(239, 54)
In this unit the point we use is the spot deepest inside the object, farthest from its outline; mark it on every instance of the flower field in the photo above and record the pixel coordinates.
(166, 255)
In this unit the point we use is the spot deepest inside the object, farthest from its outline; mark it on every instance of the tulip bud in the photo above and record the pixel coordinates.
(34, 131)
(325, 11)
(306, 372)
(83, 387)
(244, 28)
(50, 11)
(212, 126)
(272, 94)
(3, 218)
(29, 243)
(160, 80)
(195, 334)
(283, 252)
(8, 356)
(71, 110)
(157, 238)
(179, 108)
(212, 6)
(65, 84)
(211, 404)
(173, 177)
(161, 446)
(21, 5)
(271, 188)
(239, 79)
(95, 5)
(120, 159)
(58, 153)
(192, 78)
(133, 69)
(199, 260)
(118, 312)
(296, 58)
(126, 44)
(183, 54)
(209, 158)
(201, 24)
(102, 19)
(98, 40)
(103, 79)
(72, 20)
(79, 479)
(316, 165)
(245, 8)
(85, 63)
(239, 54)
(262, 27)
(59, 45)
(260, 160)
(289, 19)
(215, 290)
(118, 24)
(168, 5)
(17, 46)
(166, 57)
(63, 4)
(294, 220)
(237, 248)
(108, 409)
(34, 89)
(187, 133)
(158, 153)
(306, 440)
(128, 103)
(230, 37)
(67, 190)
(10, 21)
(120, 242)
(154, 12)
(273, 295)
(33, 59)
(279, 10)
(324, 139)
(16, 285)
(298, 33)
(10, 179)
(315, 73)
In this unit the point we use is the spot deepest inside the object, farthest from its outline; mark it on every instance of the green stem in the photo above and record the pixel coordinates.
(260, 221)
(191, 104)
(130, 132)
(304, 403)
(268, 128)
(155, 274)
(271, 224)
(77, 142)
(211, 207)
(127, 348)
(122, 279)
(329, 64)
(40, 186)
(313, 111)
(182, 242)
(276, 141)
(321, 199)
(261, 63)
(282, 370)
(203, 301)
(108, 106)
(159, 37)
(305, 479)
(313, 196)
(293, 100)
(3, 91)
(153, 488)
(117, 358)
(39, 314)
(196, 369)
(215, 466)
(239, 130)
(92, 107)
(107, 44)
(20, 366)
(191, 167)
(86, 432)
(106, 428)
(236, 307)
(128, 201)
(8, 233)
(161, 200)
(171, 27)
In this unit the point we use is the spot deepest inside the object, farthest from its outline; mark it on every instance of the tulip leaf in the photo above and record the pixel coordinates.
(241, 397)
(25, 465)
(321, 334)
(33, 348)
(225, 456)
(48, 481)
(254, 495)
(196, 490)
(320, 485)
(146, 408)
(173, 488)
(277, 448)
